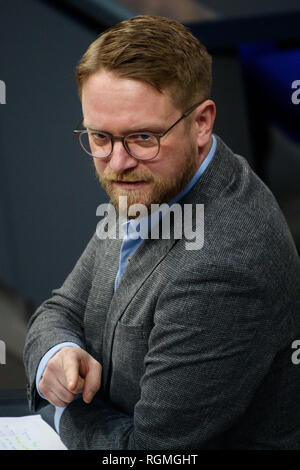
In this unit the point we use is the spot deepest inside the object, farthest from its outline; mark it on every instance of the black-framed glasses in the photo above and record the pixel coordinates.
(140, 145)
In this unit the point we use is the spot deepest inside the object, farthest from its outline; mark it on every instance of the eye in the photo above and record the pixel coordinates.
(144, 136)
(99, 138)
(142, 139)
(99, 135)
(139, 137)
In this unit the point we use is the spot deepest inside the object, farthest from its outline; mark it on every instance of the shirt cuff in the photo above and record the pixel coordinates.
(57, 415)
(59, 411)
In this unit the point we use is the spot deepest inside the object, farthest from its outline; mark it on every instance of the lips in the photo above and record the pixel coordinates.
(130, 184)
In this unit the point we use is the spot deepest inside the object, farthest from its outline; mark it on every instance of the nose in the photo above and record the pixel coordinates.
(120, 160)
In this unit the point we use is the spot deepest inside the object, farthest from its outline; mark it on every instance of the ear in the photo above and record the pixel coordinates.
(204, 120)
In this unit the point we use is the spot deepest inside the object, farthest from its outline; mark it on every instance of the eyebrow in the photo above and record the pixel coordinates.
(151, 128)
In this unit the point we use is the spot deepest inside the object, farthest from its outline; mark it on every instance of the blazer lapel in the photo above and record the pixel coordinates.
(148, 255)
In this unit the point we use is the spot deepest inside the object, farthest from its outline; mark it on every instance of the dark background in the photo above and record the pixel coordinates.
(48, 190)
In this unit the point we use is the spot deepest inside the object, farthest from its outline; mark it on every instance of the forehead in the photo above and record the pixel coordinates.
(108, 99)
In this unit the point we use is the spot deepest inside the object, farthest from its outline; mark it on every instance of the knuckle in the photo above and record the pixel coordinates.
(52, 365)
(43, 388)
(73, 351)
(45, 380)
(66, 353)
(46, 392)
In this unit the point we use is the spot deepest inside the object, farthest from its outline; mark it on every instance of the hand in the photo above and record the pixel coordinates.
(69, 372)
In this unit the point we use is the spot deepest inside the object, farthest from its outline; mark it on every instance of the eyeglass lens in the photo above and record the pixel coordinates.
(99, 145)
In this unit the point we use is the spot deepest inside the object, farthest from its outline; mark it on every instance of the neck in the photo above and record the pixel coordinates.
(203, 152)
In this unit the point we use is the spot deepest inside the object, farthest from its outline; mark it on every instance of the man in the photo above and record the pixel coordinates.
(150, 344)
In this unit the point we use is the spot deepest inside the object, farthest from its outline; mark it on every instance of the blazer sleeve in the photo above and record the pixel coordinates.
(212, 343)
(59, 319)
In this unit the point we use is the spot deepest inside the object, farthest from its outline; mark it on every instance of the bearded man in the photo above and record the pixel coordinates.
(149, 344)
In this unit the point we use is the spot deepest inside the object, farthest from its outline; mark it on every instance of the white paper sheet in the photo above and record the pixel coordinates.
(28, 433)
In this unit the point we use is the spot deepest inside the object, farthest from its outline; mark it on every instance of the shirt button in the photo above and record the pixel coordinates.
(128, 259)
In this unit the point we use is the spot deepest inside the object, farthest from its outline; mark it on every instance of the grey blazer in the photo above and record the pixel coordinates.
(196, 345)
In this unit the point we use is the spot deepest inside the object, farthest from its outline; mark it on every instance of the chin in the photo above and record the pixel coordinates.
(136, 198)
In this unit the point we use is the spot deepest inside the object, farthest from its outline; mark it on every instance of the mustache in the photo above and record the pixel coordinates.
(110, 175)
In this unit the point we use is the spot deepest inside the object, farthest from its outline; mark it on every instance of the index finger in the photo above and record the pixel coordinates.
(92, 381)
(71, 371)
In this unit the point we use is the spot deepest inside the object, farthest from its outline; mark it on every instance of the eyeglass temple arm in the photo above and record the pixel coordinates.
(76, 130)
(186, 114)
